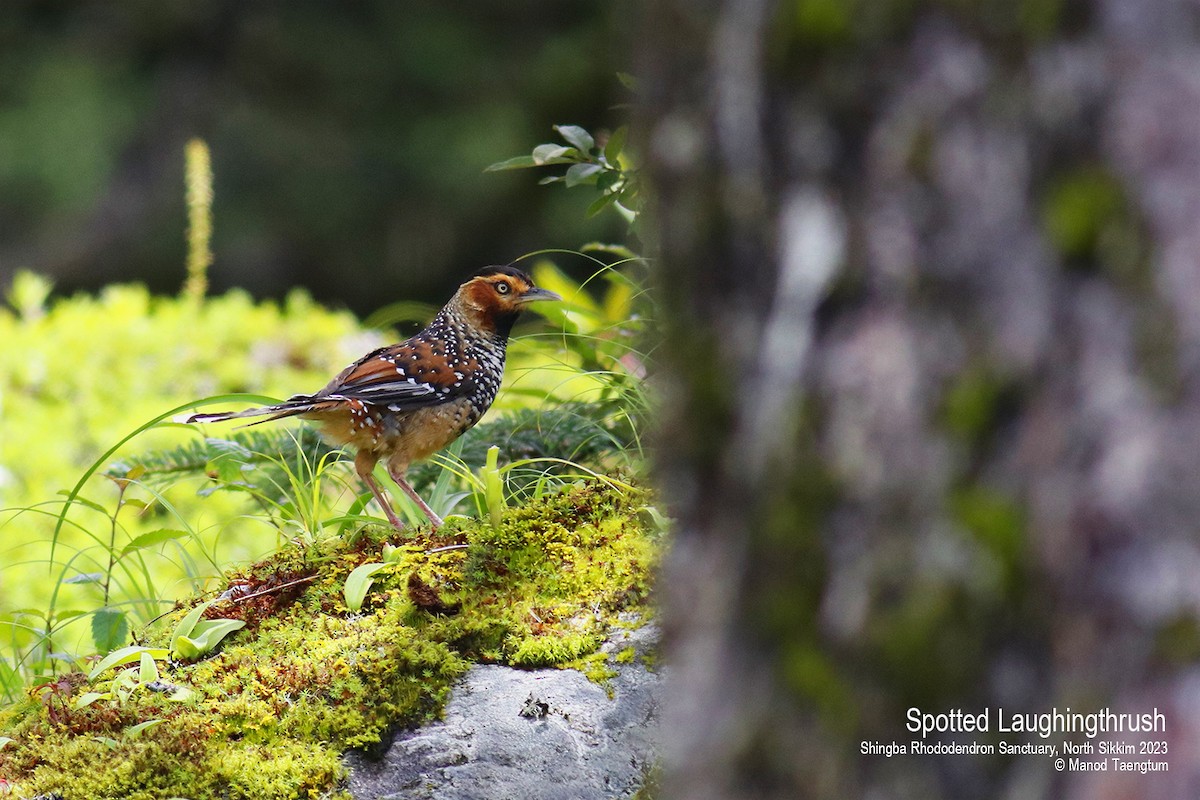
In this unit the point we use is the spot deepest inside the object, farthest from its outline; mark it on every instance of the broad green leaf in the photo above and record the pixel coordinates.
(577, 136)
(107, 741)
(493, 486)
(110, 627)
(600, 203)
(38, 613)
(152, 538)
(615, 144)
(516, 162)
(607, 179)
(141, 726)
(393, 554)
(580, 173)
(123, 656)
(545, 154)
(123, 684)
(208, 634)
(186, 649)
(629, 194)
(185, 626)
(147, 669)
(358, 583)
(69, 613)
(87, 698)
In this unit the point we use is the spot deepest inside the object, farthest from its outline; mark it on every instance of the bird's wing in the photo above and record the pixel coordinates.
(412, 374)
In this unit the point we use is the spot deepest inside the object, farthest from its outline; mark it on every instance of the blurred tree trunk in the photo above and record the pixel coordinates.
(931, 424)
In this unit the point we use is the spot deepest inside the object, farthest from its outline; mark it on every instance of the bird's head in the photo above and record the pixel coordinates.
(494, 297)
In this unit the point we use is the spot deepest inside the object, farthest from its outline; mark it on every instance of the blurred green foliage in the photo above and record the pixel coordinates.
(348, 139)
(78, 374)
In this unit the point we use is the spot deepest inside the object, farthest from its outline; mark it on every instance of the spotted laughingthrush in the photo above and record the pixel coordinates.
(406, 401)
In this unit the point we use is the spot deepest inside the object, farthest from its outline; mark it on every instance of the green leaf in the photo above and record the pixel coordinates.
(141, 726)
(580, 173)
(393, 554)
(152, 538)
(59, 616)
(110, 628)
(185, 649)
(516, 162)
(628, 196)
(86, 577)
(577, 136)
(207, 635)
(358, 583)
(147, 669)
(210, 632)
(123, 656)
(600, 203)
(607, 179)
(83, 501)
(545, 154)
(493, 486)
(87, 698)
(615, 144)
(185, 626)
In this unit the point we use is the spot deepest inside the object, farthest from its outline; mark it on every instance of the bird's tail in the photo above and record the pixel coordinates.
(300, 404)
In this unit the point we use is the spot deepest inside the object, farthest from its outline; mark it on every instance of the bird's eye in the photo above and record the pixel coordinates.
(502, 288)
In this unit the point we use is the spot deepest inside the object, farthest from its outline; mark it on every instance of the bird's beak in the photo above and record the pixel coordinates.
(533, 295)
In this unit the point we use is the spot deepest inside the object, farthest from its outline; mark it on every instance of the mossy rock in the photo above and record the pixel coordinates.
(270, 714)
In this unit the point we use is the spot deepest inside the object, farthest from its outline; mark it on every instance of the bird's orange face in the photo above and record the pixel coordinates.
(498, 294)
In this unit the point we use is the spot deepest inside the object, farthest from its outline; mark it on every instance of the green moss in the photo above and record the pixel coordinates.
(597, 667)
(271, 713)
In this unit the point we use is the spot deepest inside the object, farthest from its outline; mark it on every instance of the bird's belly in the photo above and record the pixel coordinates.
(404, 436)
(424, 431)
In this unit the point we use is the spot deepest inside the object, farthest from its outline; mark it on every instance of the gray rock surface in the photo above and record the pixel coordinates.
(528, 735)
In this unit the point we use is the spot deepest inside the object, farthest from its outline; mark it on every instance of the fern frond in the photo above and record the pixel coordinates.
(257, 447)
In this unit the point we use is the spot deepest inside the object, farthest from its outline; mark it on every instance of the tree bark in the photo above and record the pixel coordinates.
(931, 285)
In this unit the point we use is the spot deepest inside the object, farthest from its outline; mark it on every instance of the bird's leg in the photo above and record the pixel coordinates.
(397, 472)
(364, 465)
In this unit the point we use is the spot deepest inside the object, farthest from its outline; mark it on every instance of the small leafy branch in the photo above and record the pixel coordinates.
(598, 161)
